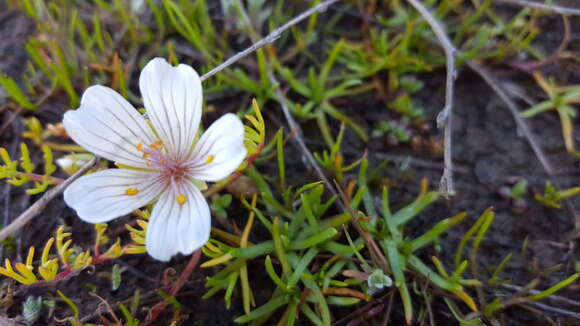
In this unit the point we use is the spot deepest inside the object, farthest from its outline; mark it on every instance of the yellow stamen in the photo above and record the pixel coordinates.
(157, 144)
(140, 147)
(180, 199)
(146, 154)
(131, 191)
(209, 158)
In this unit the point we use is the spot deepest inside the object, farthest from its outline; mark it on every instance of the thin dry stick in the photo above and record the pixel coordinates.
(40, 204)
(553, 297)
(8, 322)
(299, 139)
(11, 118)
(486, 76)
(554, 310)
(543, 6)
(274, 35)
(444, 119)
(483, 73)
(295, 128)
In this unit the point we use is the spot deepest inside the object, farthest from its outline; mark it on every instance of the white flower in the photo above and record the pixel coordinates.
(159, 160)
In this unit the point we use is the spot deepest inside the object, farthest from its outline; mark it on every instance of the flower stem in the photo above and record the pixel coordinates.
(40, 177)
(159, 307)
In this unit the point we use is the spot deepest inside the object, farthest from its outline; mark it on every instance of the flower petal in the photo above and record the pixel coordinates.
(102, 196)
(107, 125)
(173, 99)
(220, 150)
(175, 227)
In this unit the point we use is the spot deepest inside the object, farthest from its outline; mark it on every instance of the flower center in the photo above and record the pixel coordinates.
(173, 171)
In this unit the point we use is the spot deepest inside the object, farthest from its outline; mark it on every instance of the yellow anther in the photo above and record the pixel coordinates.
(140, 147)
(131, 191)
(209, 158)
(180, 199)
(146, 154)
(157, 144)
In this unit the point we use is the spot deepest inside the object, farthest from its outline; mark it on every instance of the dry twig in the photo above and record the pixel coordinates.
(273, 36)
(512, 107)
(295, 129)
(444, 119)
(543, 6)
(40, 204)
(486, 76)
(8, 322)
(299, 139)
(553, 297)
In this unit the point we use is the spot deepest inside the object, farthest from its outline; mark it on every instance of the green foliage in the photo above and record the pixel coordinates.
(261, 88)
(333, 160)
(31, 309)
(320, 89)
(19, 172)
(60, 258)
(313, 256)
(115, 277)
(16, 93)
(192, 21)
(255, 133)
(553, 197)
(400, 251)
(399, 133)
(377, 281)
(129, 319)
(74, 320)
(519, 189)
(560, 100)
(220, 204)
(296, 241)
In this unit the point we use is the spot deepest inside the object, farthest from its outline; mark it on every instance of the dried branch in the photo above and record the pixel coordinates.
(553, 297)
(40, 204)
(273, 36)
(296, 130)
(553, 310)
(543, 6)
(483, 73)
(486, 76)
(4, 321)
(444, 119)
(298, 139)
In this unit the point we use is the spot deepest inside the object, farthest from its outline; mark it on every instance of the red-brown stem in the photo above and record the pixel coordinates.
(99, 259)
(63, 274)
(179, 283)
(40, 177)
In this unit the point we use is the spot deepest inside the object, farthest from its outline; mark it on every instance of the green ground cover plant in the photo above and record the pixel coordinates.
(329, 219)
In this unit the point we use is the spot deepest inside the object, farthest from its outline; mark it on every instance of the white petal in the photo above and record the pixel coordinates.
(220, 150)
(107, 125)
(178, 228)
(173, 100)
(100, 197)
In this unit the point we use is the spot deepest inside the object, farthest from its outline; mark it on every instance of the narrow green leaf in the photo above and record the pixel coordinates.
(115, 277)
(411, 210)
(313, 240)
(15, 93)
(267, 308)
